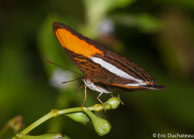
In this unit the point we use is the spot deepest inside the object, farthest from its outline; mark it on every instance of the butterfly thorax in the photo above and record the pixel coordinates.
(96, 87)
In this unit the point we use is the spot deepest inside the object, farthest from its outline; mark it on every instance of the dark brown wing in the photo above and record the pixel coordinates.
(100, 65)
(132, 69)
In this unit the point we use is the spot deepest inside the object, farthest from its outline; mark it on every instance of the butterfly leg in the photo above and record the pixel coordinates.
(120, 100)
(98, 97)
(85, 96)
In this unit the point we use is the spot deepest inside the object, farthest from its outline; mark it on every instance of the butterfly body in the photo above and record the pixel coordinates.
(96, 87)
(103, 69)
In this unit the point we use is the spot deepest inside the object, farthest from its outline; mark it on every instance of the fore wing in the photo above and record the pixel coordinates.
(79, 48)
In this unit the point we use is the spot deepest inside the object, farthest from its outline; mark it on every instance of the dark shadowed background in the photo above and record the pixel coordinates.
(157, 35)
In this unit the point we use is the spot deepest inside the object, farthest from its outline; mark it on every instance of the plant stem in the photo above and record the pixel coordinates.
(51, 114)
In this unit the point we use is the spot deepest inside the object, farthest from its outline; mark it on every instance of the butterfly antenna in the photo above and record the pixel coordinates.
(46, 60)
(73, 80)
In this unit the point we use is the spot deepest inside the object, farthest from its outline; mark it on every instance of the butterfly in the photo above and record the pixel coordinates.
(104, 70)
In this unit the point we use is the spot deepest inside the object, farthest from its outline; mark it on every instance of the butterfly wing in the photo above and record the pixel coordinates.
(79, 48)
(100, 65)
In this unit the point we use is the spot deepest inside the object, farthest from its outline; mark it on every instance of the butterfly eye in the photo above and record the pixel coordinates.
(88, 82)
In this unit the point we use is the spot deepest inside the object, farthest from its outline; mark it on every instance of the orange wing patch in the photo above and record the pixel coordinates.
(76, 45)
(80, 60)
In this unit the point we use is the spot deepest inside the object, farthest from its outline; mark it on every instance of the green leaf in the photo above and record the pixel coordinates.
(144, 22)
(96, 10)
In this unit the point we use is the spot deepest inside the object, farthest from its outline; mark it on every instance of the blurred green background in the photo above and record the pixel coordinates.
(157, 35)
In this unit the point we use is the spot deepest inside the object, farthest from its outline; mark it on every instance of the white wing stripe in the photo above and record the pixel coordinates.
(115, 70)
(136, 84)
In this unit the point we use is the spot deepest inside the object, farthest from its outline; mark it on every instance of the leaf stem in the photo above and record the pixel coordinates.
(51, 114)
